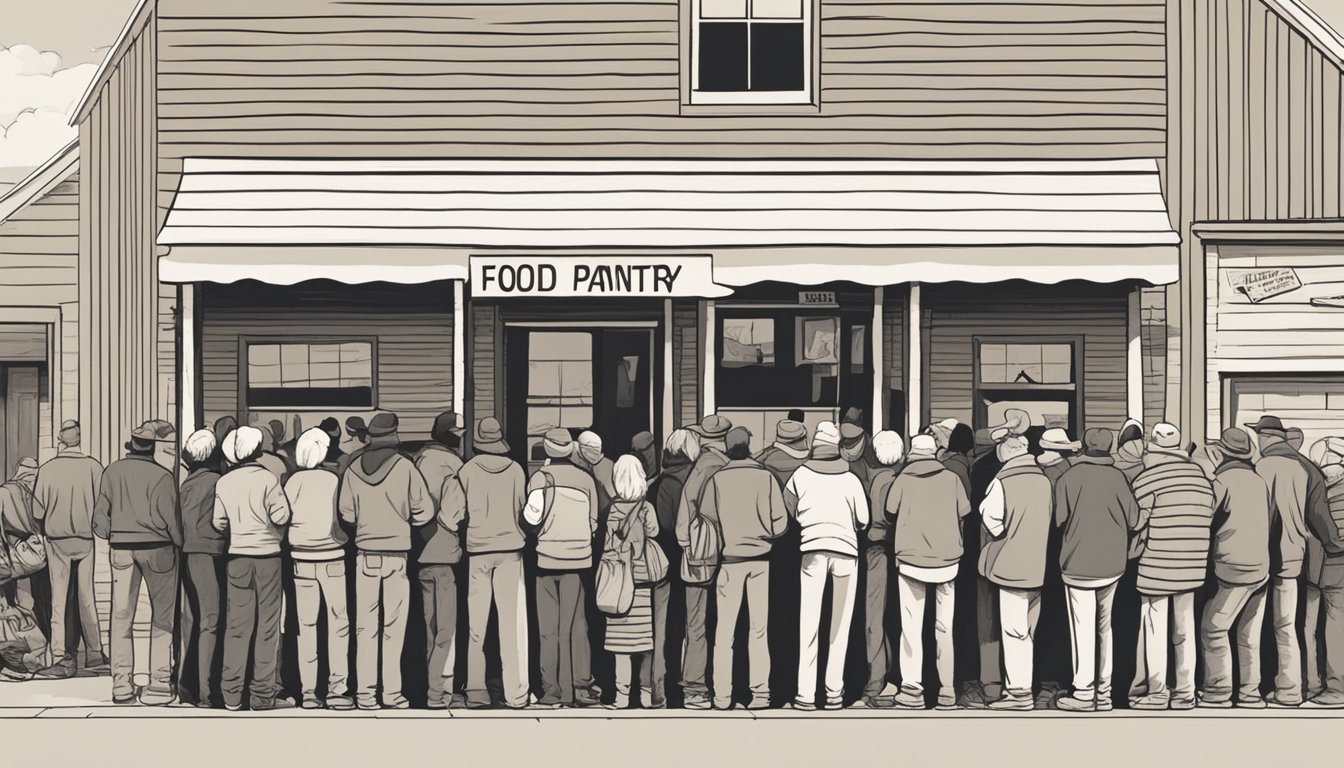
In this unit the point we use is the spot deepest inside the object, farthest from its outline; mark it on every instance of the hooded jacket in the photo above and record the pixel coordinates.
(382, 496)
(66, 488)
(1016, 520)
(1097, 510)
(782, 460)
(1280, 467)
(563, 502)
(1242, 517)
(926, 503)
(1176, 500)
(441, 544)
(959, 464)
(1129, 454)
(830, 504)
(495, 489)
(137, 504)
(748, 504)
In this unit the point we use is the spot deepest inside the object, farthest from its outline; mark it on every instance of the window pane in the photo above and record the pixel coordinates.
(576, 379)
(1057, 353)
(294, 365)
(992, 353)
(325, 374)
(994, 373)
(576, 417)
(1057, 373)
(541, 418)
(543, 379)
(777, 9)
(817, 341)
(324, 353)
(722, 56)
(359, 352)
(723, 9)
(263, 365)
(776, 58)
(748, 341)
(560, 346)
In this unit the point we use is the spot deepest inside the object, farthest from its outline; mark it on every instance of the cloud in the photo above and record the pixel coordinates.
(37, 96)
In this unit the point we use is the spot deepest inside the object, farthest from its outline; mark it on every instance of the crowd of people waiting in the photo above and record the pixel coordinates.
(658, 557)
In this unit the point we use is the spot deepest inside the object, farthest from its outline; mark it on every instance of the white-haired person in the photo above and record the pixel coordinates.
(588, 451)
(251, 507)
(889, 450)
(632, 522)
(204, 547)
(317, 546)
(679, 454)
(831, 507)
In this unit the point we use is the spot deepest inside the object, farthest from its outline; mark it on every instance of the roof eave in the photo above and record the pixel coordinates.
(1321, 35)
(36, 184)
(130, 32)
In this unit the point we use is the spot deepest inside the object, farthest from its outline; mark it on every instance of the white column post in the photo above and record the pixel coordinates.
(914, 396)
(669, 409)
(459, 352)
(707, 390)
(1134, 357)
(879, 359)
(186, 371)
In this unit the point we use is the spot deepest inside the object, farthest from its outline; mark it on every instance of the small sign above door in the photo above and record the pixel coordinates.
(826, 298)
(506, 277)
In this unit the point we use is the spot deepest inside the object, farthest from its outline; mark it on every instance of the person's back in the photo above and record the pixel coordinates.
(495, 488)
(831, 506)
(926, 503)
(1242, 519)
(879, 485)
(314, 531)
(65, 491)
(253, 505)
(441, 468)
(1180, 501)
(1097, 510)
(1016, 558)
(137, 503)
(383, 495)
(1286, 479)
(748, 504)
(781, 461)
(197, 500)
(565, 533)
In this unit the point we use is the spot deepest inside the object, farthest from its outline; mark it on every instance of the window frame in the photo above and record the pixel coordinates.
(246, 342)
(1024, 390)
(805, 97)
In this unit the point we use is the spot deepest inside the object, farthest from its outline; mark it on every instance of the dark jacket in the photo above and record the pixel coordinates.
(1319, 522)
(495, 489)
(747, 503)
(197, 494)
(66, 488)
(666, 495)
(1097, 510)
(441, 544)
(383, 495)
(1280, 467)
(878, 487)
(959, 464)
(711, 460)
(137, 504)
(1242, 519)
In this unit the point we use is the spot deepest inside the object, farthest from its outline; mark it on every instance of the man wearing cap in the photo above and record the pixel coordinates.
(1015, 515)
(383, 496)
(1057, 452)
(1280, 467)
(563, 501)
(494, 488)
(357, 439)
(438, 550)
(1242, 515)
(926, 504)
(1176, 509)
(65, 490)
(695, 659)
(1097, 511)
(747, 505)
(889, 450)
(136, 512)
(784, 456)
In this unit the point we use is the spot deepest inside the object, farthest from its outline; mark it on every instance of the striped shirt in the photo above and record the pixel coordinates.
(1176, 499)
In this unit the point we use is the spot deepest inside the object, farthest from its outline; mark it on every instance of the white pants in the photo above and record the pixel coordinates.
(1090, 617)
(1019, 611)
(912, 595)
(1150, 676)
(842, 572)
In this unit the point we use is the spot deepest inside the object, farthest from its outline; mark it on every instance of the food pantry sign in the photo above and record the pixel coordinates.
(508, 277)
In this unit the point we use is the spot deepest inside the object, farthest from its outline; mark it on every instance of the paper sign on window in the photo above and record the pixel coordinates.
(1260, 284)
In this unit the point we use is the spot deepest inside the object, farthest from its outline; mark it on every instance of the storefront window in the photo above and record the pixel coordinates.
(748, 341)
(1036, 376)
(559, 382)
(310, 374)
(791, 358)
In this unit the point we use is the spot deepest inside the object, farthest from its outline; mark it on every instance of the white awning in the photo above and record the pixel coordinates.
(807, 222)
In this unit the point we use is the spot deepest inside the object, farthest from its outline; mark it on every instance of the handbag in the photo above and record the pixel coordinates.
(24, 558)
(614, 580)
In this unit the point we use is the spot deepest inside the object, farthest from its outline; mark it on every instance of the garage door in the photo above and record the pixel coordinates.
(1314, 404)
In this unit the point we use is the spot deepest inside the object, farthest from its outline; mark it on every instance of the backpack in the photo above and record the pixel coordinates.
(614, 580)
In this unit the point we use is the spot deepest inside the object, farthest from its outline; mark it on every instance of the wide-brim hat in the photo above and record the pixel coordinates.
(1057, 439)
(489, 437)
(1235, 443)
(1269, 425)
(712, 427)
(790, 431)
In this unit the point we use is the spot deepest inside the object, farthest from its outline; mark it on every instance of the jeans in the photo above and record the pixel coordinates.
(62, 557)
(256, 596)
(653, 675)
(1325, 635)
(562, 628)
(1283, 603)
(438, 587)
(877, 564)
(316, 582)
(1090, 620)
(380, 584)
(156, 566)
(738, 583)
(496, 579)
(913, 594)
(842, 572)
(1019, 612)
(1242, 606)
(987, 619)
(1150, 670)
(695, 652)
(203, 590)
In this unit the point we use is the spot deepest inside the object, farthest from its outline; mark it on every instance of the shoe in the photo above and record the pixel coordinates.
(1150, 702)
(865, 702)
(457, 701)
(723, 705)
(204, 704)
(1104, 703)
(1204, 703)
(439, 704)
(1251, 703)
(834, 704)
(908, 700)
(1325, 700)
(281, 703)
(153, 698)
(1072, 703)
(697, 702)
(311, 703)
(1274, 701)
(584, 699)
(398, 704)
(1183, 705)
(618, 703)
(14, 676)
(234, 707)
(974, 698)
(123, 701)
(368, 706)
(58, 671)
(98, 665)
(758, 703)
(340, 703)
(1014, 703)
(802, 706)
(947, 700)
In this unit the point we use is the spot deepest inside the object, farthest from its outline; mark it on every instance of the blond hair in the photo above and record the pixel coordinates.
(684, 442)
(628, 477)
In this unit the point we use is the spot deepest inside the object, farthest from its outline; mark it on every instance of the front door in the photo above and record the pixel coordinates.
(18, 415)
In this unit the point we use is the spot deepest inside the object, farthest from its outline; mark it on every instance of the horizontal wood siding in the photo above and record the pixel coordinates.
(686, 361)
(413, 326)
(955, 314)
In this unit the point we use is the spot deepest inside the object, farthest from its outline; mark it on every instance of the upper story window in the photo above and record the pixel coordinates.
(751, 51)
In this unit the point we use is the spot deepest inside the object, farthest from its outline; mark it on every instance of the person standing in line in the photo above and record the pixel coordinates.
(590, 456)
(1057, 452)
(1287, 480)
(1242, 516)
(224, 426)
(784, 456)
(356, 442)
(831, 507)
(853, 449)
(1319, 524)
(1176, 509)
(251, 507)
(440, 551)
(1097, 511)
(679, 455)
(711, 432)
(562, 501)
(1129, 449)
(317, 546)
(645, 447)
(957, 456)
(1326, 592)
(1016, 517)
(203, 548)
(137, 513)
(632, 522)
(65, 490)
(926, 504)
(335, 455)
(746, 503)
(383, 496)
(494, 490)
(889, 449)
(268, 458)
